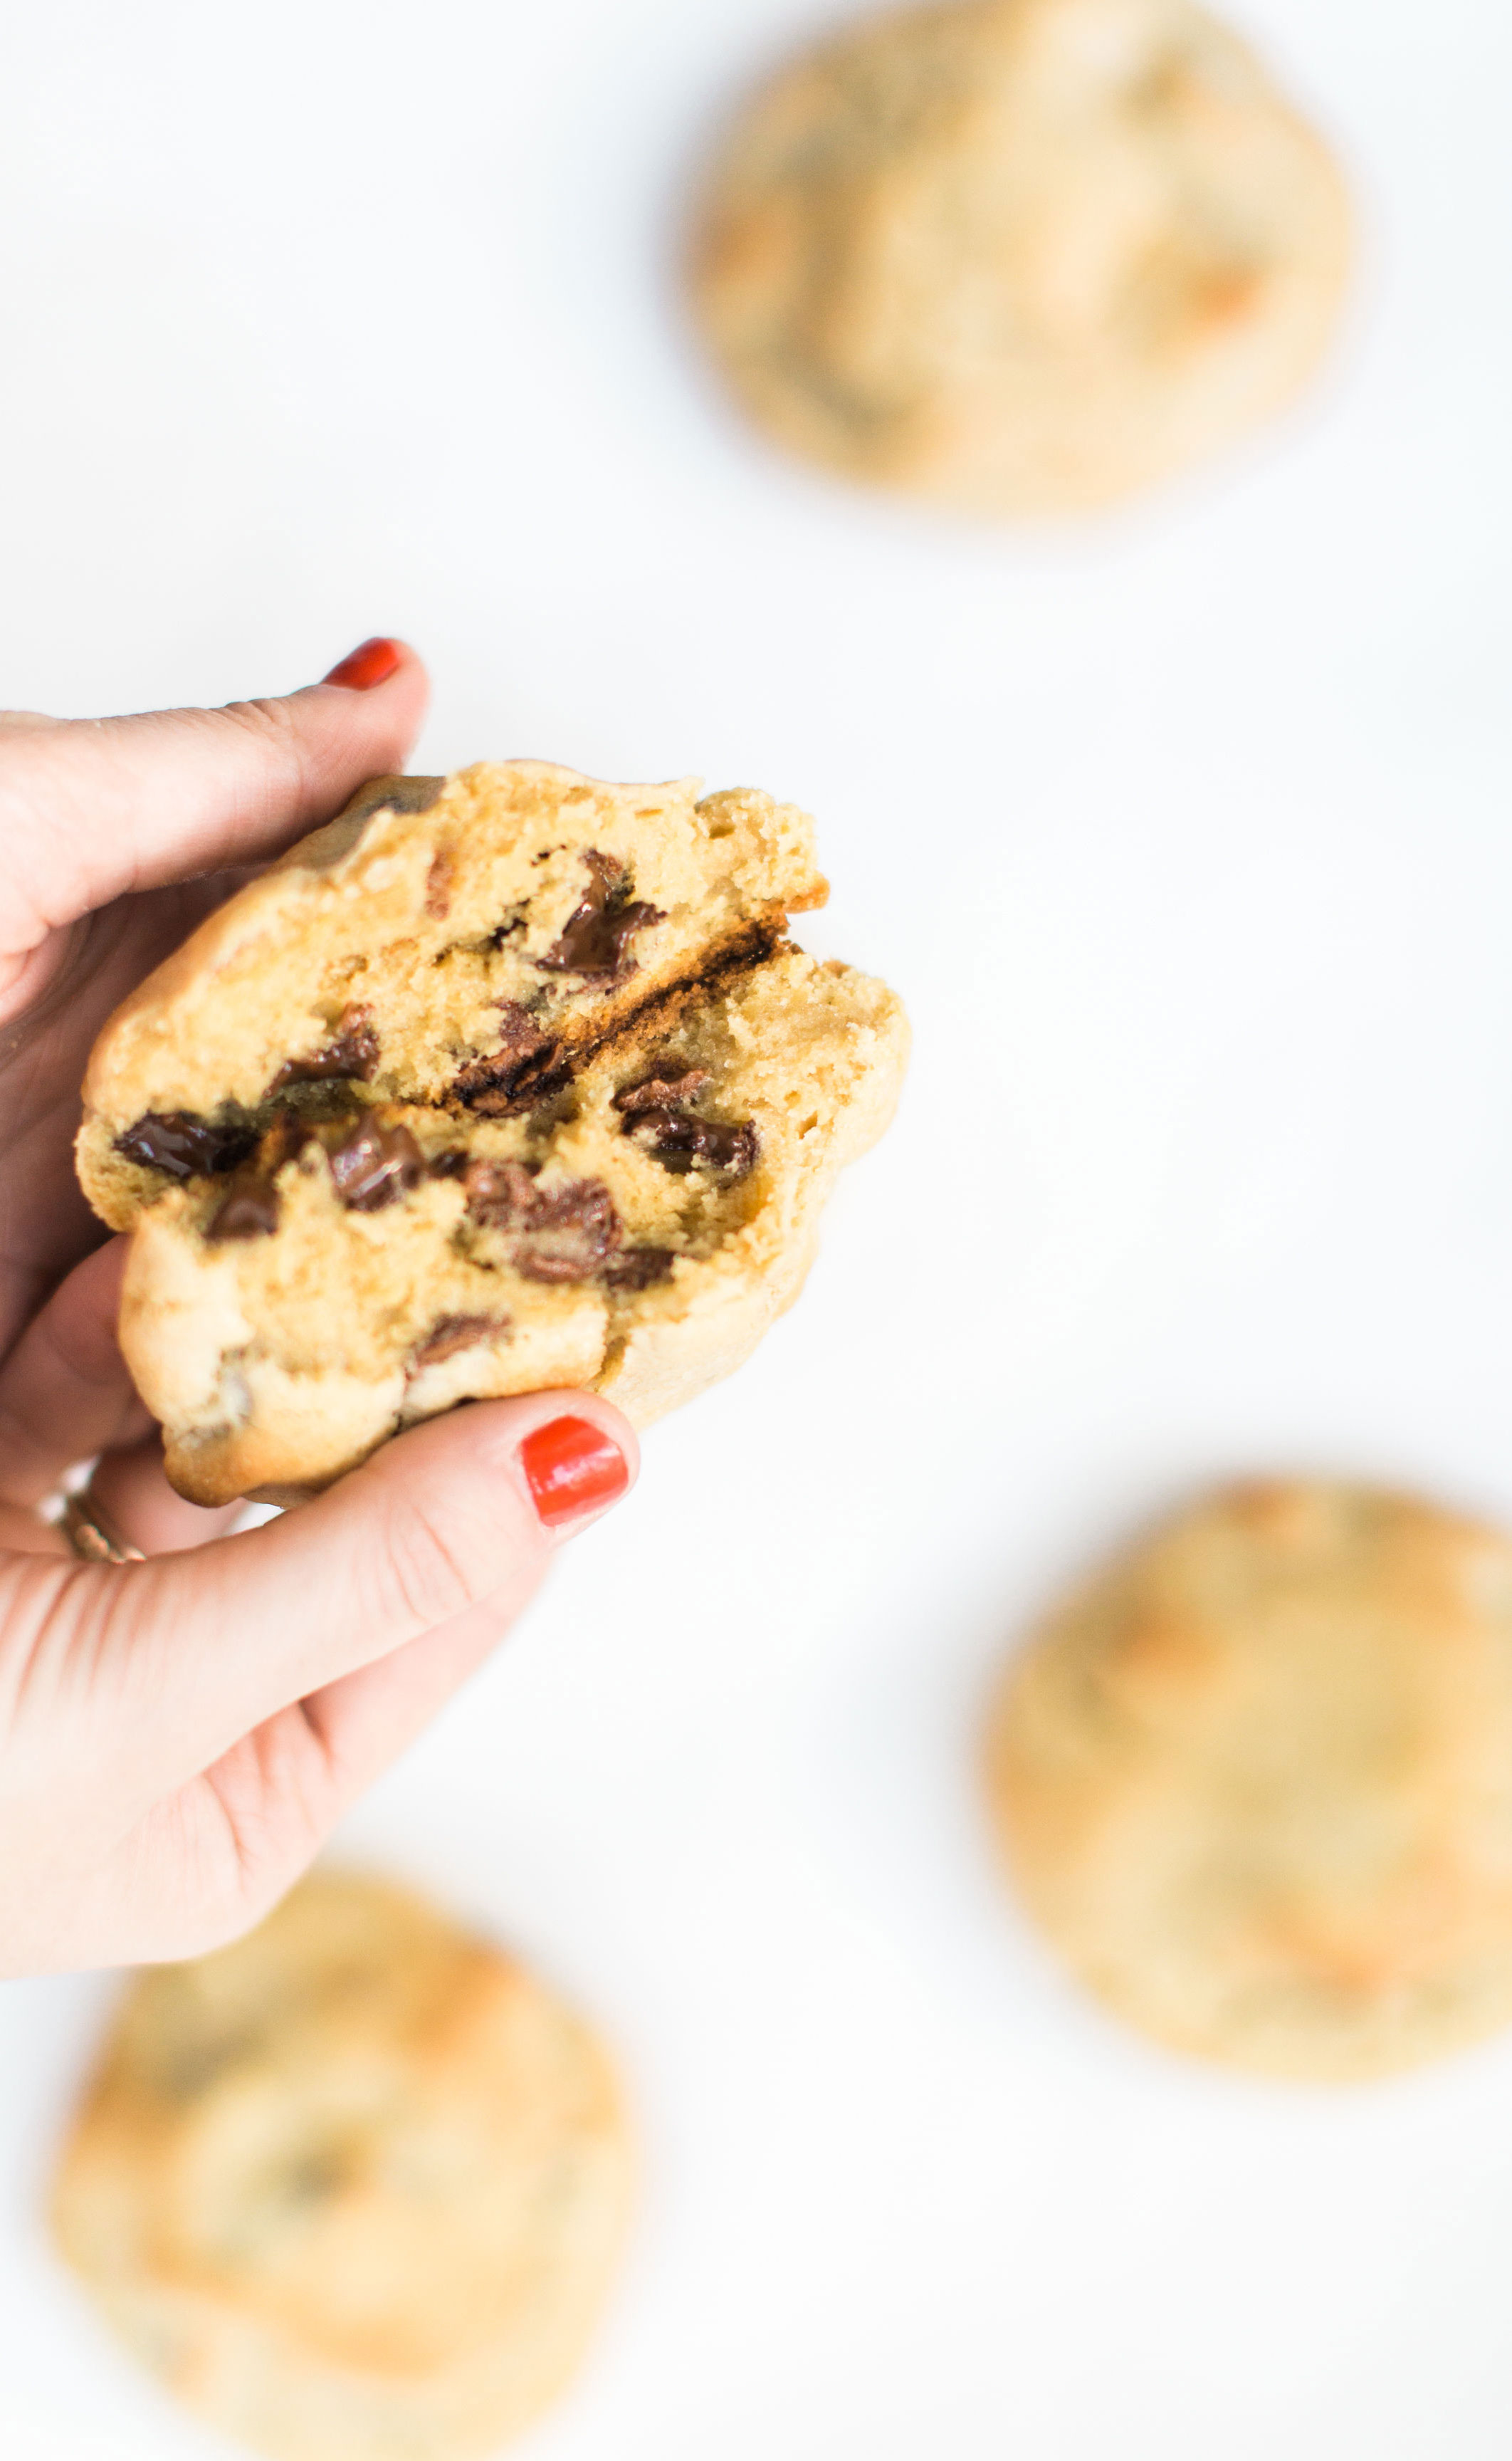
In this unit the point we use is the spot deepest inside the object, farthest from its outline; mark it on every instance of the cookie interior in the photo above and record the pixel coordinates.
(460, 941)
(498, 1083)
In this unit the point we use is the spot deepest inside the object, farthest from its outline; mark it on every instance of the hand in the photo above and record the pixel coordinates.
(178, 1736)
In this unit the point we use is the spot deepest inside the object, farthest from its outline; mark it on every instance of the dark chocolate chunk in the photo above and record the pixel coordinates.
(562, 1234)
(450, 1333)
(678, 1141)
(500, 1194)
(635, 1269)
(594, 941)
(374, 1166)
(450, 1164)
(668, 1090)
(524, 1069)
(183, 1145)
(249, 1211)
(352, 1051)
(570, 1233)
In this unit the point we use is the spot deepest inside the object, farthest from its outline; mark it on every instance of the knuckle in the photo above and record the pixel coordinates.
(272, 728)
(268, 718)
(420, 1573)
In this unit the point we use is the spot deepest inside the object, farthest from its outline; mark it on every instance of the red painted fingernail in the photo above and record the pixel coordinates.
(573, 1468)
(372, 662)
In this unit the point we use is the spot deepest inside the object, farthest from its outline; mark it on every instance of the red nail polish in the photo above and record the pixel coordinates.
(572, 1467)
(372, 662)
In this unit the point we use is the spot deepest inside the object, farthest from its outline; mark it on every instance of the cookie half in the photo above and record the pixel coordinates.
(1255, 1781)
(1021, 256)
(500, 1082)
(352, 2188)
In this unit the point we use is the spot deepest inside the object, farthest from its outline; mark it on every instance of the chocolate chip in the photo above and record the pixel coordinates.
(500, 1194)
(678, 1141)
(569, 1235)
(562, 1234)
(374, 1166)
(524, 1069)
(668, 1089)
(183, 1145)
(248, 1211)
(594, 941)
(450, 1333)
(450, 1164)
(352, 1051)
(635, 1269)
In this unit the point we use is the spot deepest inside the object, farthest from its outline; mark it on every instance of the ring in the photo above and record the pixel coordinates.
(93, 1535)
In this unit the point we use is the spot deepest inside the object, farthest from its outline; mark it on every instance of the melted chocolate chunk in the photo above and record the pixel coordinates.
(352, 1051)
(570, 1233)
(374, 1166)
(668, 1090)
(679, 1141)
(450, 1333)
(500, 1194)
(635, 1269)
(594, 941)
(183, 1145)
(248, 1211)
(562, 1234)
(524, 1069)
(450, 1164)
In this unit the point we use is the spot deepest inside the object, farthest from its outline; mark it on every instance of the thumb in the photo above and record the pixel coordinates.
(94, 807)
(453, 1522)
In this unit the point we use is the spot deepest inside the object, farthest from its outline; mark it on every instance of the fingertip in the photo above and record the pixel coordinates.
(370, 663)
(375, 699)
(383, 664)
(565, 1456)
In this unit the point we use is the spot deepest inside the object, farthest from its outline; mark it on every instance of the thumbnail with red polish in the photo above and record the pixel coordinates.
(372, 662)
(572, 1467)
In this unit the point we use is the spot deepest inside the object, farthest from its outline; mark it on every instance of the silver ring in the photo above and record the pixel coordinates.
(93, 1535)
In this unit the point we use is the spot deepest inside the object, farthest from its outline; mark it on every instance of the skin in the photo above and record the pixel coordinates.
(178, 1737)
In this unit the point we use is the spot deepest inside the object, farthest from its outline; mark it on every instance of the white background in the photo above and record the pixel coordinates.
(1186, 839)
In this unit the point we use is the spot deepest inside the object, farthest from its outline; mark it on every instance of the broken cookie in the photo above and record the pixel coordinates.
(499, 1081)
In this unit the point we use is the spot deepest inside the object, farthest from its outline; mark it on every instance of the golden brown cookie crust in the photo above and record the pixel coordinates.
(399, 979)
(1254, 1780)
(1024, 257)
(354, 2186)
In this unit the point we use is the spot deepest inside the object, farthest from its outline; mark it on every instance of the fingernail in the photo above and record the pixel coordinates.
(572, 1467)
(372, 662)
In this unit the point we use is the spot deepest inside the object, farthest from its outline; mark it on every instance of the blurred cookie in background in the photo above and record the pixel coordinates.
(1254, 1780)
(1025, 257)
(352, 2187)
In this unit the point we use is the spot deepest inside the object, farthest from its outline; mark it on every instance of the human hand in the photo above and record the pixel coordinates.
(178, 1735)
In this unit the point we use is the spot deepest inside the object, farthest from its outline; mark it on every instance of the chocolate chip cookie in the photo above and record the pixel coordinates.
(1022, 256)
(351, 2188)
(1255, 1781)
(500, 1082)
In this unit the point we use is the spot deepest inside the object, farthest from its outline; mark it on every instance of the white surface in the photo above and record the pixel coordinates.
(1186, 839)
